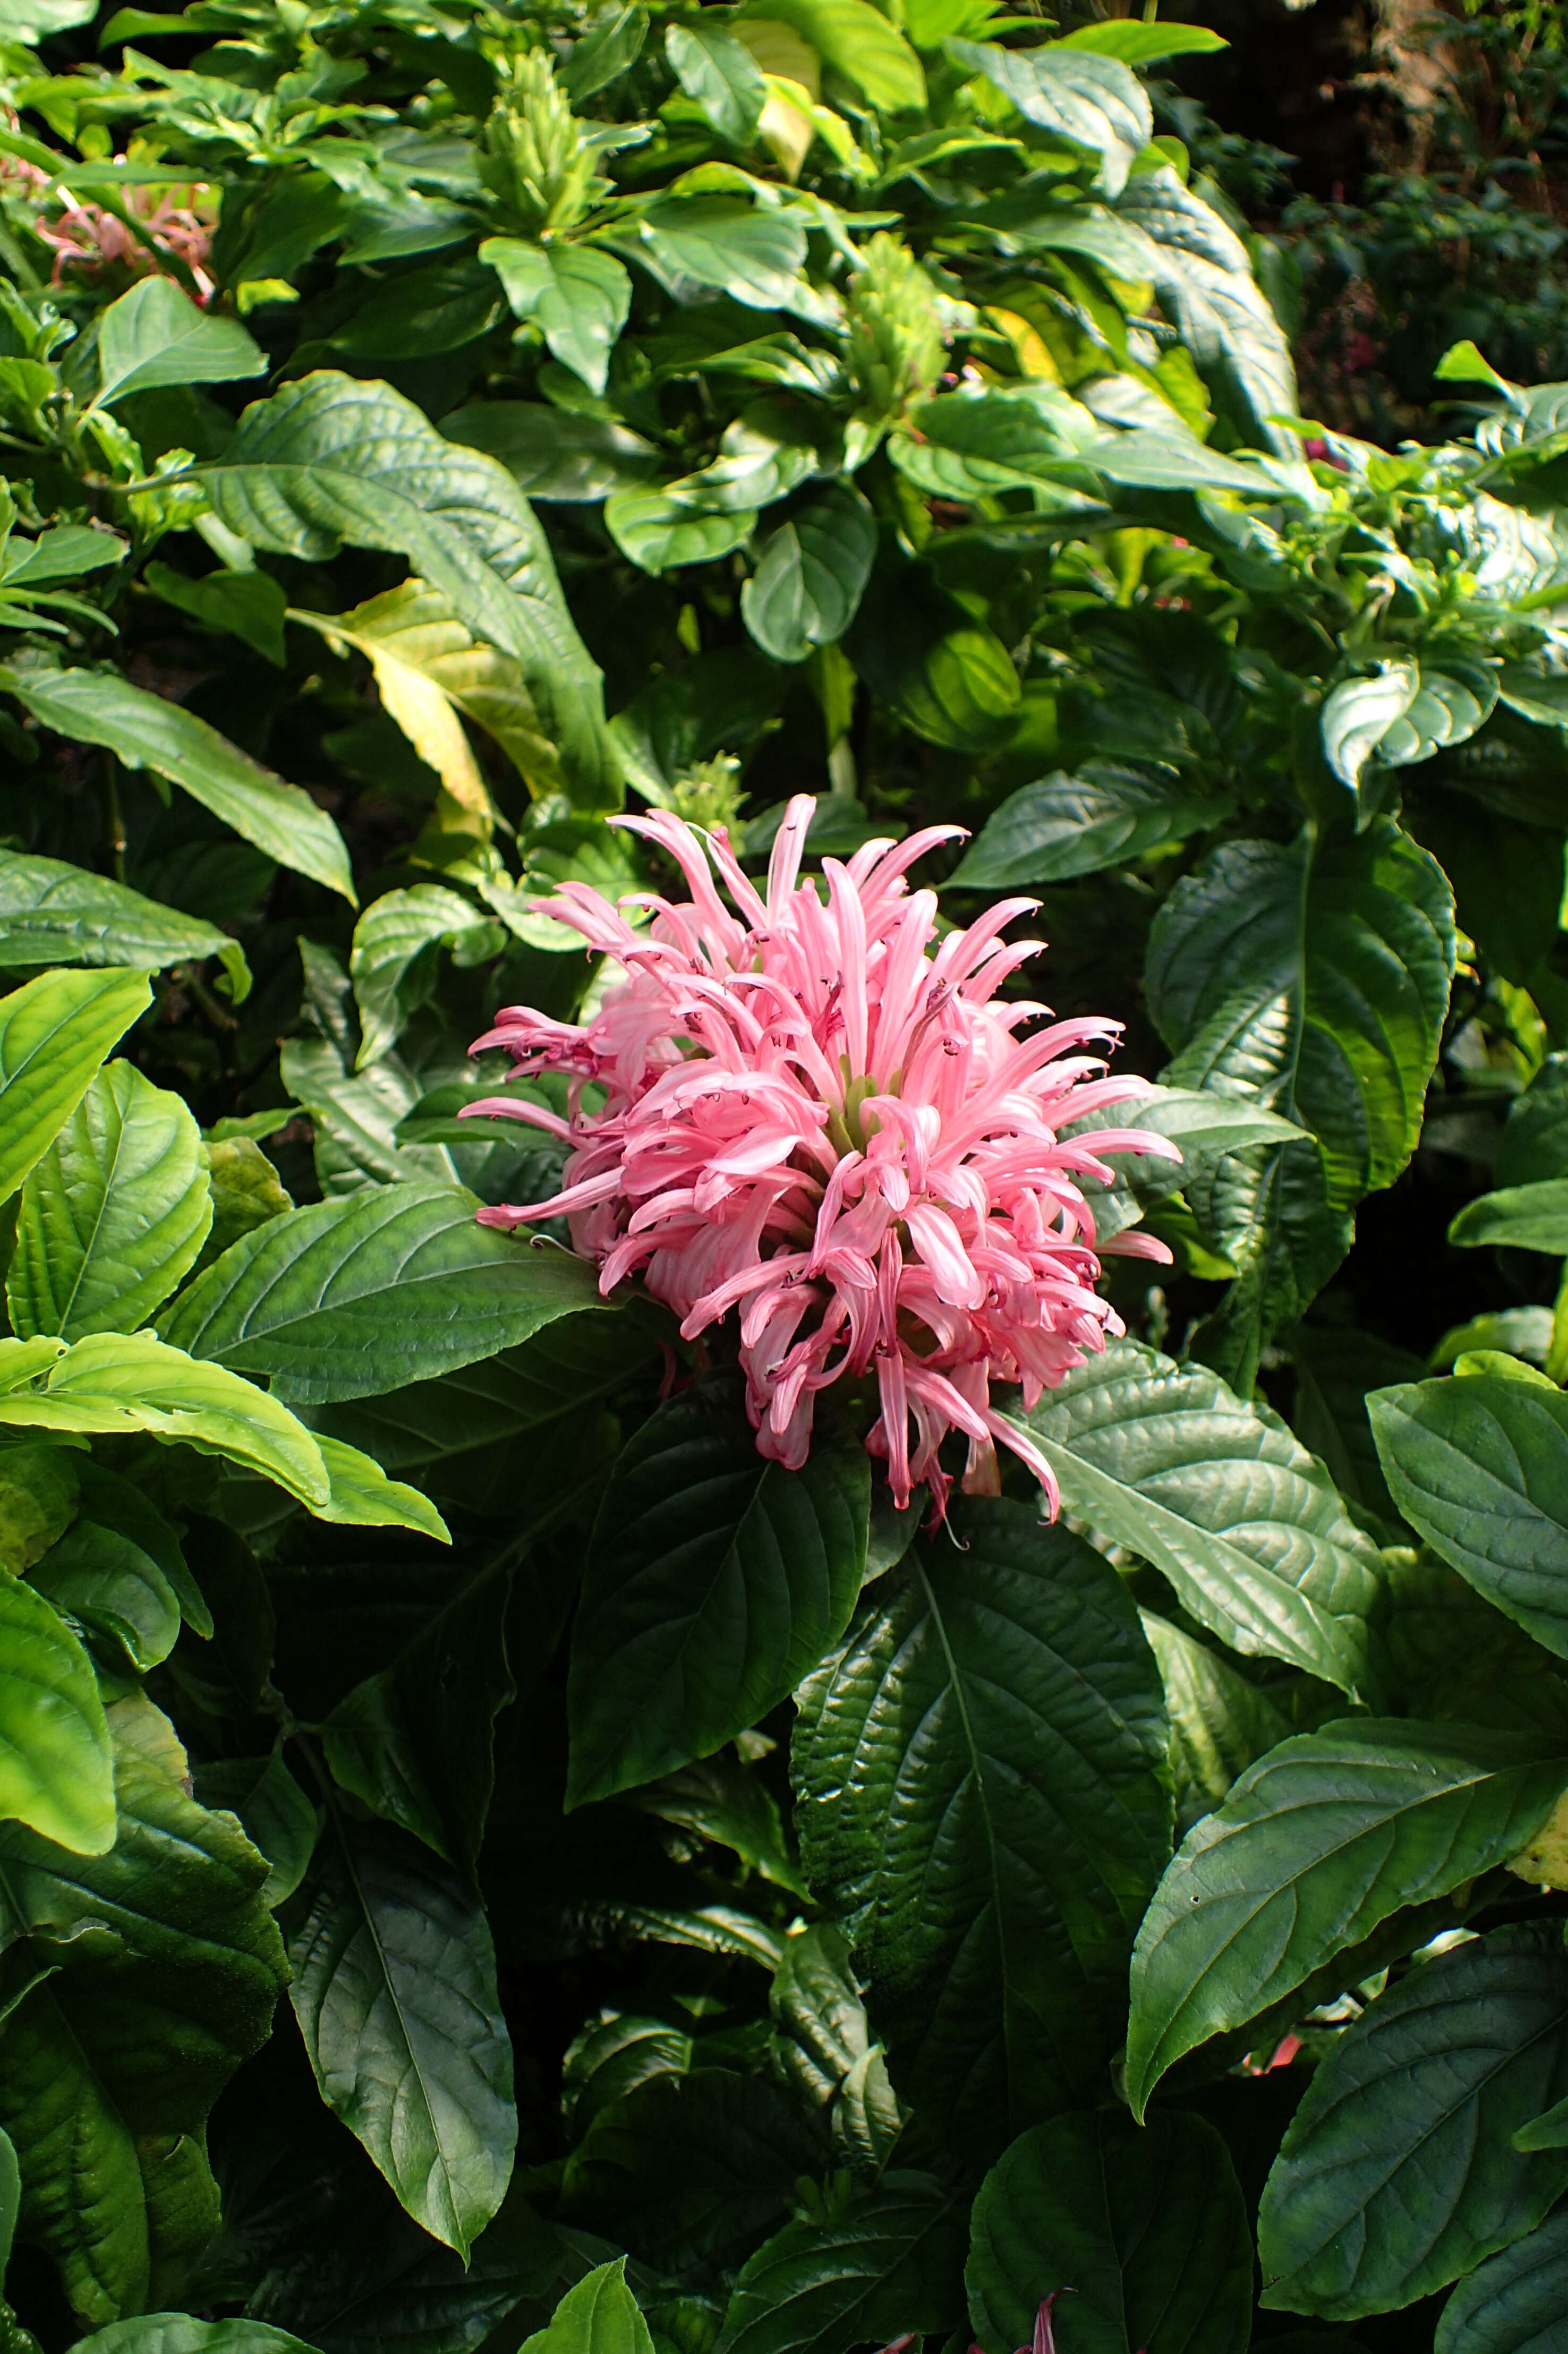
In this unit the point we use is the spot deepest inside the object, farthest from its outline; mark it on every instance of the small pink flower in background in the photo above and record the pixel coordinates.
(824, 1118)
(85, 237)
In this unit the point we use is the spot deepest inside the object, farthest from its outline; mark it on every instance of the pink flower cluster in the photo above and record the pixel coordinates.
(91, 239)
(818, 1113)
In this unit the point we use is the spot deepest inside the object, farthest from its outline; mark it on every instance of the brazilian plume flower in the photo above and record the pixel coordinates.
(821, 1119)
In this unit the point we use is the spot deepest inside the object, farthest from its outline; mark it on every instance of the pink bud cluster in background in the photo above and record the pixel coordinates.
(85, 237)
(824, 1118)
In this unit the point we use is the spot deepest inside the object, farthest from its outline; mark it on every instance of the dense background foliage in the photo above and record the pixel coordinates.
(482, 1853)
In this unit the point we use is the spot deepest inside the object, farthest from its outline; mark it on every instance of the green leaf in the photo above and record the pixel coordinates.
(599, 2315)
(347, 1298)
(1359, 713)
(1534, 1140)
(1479, 1468)
(1318, 1844)
(145, 731)
(115, 1592)
(578, 297)
(1411, 2114)
(1204, 281)
(182, 2333)
(1220, 1723)
(10, 2199)
(39, 1495)
(979, 1803)
(715, 1581)
(947, 675)
(553, 453)
(393, 1988)
(390, 938)
(1448, 708)
(362, 1497)
(246, 1193)
(1316, 984)
(56, 1772)
(417, 1742)
(602, 55)
(271, 1810)
(165, 1966)
(722, 77)
(53, 914)
(659, 534)
(329, 459)
(113, 1215)
(55, 1031)
(1220, 1498)
(1148, 2231)
(1514, 2303)
(889, 2260)
(1518, 1217)
(120, 1504)
(1106, 813)
(1336, 1366)
(722, 242)
(855, 41)
(1143, 44)
(1096, 103)
(156, 334)
(812, 575)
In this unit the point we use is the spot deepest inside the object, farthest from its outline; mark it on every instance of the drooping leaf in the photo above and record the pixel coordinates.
(429, 669)
(110, 2065)
(578, 297)
(1106, 813)
(715, 1581)
(1220, 1497)
(103, 1580)
(55, 1031)
(812, 575)
(119, 1382)
(1517, 1217)
(56, 1771)
(1206, 287)
(328, 460)
(393, 1988)
(362, 1496)
(1148, 2232)
(347, 1298)
(1479, 1468)
(143, 730)
(392, 936)
(113, 1215)
(1357, 715)
(51, 912)
(1381, 1814)
(272, 1810)
(154, 335)
(978, 1772)
(891, 2259)
(857, 41)
(1413, 2114)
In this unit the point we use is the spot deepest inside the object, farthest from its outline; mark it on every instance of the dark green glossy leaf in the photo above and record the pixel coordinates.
(1105, 814)
(812, 575)
(599, 2315)
(394, 1989)
(1412, 2114)
(1478, 1466)
(577, 297)
(979, 1803)
(1220, 1723)
(305, 1299)
(1147, 2231)
(56, 1771)
(1316, 1844)
(1220, 1497)
(715, 1581)
(156, 334)
(1516, 2302)
(272, 1810)
(116, 1592)
(553, 453)
(1093, 102)
(890, 2259)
